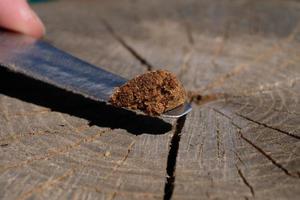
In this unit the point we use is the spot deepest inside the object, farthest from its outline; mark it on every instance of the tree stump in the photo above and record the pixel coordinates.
(239, 60)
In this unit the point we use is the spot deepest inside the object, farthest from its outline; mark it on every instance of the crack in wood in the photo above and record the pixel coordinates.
(114, 194)
(44, 186)
(190, 49)
(244, 66)
(53, 152)
(269, 127)
(187, 27)
(219, 143)
(226, 116)
(273, 109)
(245, 181)
(153, 15)
(52, 182)
(270, 87)
(236, 126)
(123, 193)
(238, 157)
(278, 165)
(4, 145)
(185, 63)
(172, 156)
(122, 161)
(199, 99)
(33, 113)
(200, 149)
(128, 47)
(189, 32)
(238, 69)
(73, 128)
(286, 111)
(221, 44)
(17, 138)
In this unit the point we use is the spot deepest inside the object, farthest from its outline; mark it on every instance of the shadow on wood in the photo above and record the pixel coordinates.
(100, 114)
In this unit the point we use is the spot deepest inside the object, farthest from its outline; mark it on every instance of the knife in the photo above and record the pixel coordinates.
(39, 60)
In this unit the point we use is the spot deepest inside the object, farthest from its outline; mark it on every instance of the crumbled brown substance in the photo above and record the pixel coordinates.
(154, 93)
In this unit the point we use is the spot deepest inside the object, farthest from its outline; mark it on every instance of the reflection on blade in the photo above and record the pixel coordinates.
(179, 111)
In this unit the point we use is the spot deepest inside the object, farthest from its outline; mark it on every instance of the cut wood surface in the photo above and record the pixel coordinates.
(240, 62)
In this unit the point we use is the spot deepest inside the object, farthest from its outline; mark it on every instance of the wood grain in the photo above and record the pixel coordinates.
(241, 140)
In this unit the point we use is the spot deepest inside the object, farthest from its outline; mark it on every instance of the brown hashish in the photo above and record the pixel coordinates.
(154, 93)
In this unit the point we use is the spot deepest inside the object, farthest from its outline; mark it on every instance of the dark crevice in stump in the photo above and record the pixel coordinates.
(171, 163)
(128, 47)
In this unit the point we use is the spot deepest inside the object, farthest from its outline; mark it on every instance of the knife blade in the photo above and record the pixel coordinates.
(40, 60)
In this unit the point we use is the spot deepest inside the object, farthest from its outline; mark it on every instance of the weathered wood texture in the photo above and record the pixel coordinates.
(241, 140)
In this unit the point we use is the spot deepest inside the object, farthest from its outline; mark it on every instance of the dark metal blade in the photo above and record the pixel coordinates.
(42, 61)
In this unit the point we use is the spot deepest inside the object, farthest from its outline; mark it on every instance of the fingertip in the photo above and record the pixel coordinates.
(35, 26)
(16, 15)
